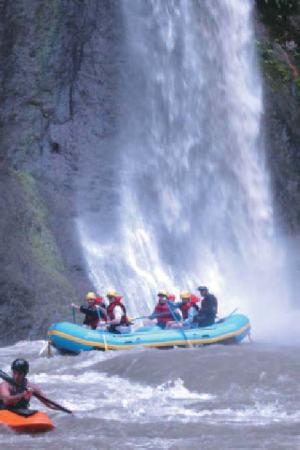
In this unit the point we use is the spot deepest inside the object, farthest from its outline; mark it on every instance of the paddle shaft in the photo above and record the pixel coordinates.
(42, 398)
(51, 403)
(178, 321)
(74, 314)
(227, 317)
(152, 315)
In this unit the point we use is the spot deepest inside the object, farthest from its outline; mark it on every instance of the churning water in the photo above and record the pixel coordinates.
(242, 397)
(191, 200)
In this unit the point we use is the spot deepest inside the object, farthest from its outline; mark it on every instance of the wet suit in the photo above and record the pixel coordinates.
(208, 311)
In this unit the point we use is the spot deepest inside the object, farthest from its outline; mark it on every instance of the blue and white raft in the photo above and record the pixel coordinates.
(70, 337)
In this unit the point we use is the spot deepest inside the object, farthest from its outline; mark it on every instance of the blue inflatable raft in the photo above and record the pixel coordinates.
(74, 338)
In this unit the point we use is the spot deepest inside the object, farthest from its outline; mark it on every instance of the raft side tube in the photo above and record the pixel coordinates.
(74, 338)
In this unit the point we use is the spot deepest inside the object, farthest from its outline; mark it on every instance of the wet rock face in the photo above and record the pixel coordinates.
(278, 34)
(58, 75)
(282, 117)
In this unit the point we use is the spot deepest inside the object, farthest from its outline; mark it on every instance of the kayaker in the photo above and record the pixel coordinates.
(117, 319)
(94, 311)
(209, 308)
(189, 310)
(162, 311)
(12, 397)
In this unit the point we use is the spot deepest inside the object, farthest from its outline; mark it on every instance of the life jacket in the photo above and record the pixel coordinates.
(184, 308)
(111, 314)
(163, 312)
(92, 315)
(21, 404)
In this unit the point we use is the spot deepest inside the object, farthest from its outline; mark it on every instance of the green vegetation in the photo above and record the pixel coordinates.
(40, 239)
(280, 53)
(273, 68)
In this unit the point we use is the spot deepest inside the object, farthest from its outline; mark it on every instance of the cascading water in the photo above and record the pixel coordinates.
(191, 203)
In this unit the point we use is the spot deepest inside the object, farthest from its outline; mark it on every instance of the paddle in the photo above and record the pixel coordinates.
(103, 335)
(49, 403)
(74, 315)
(152, 316)
(179, 321)
(227, 317)
(138, 318)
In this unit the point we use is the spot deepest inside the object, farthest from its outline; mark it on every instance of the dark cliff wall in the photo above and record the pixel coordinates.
(57, 82)
(278, 40)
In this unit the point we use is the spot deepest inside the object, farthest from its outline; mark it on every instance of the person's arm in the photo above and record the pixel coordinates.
(152, 316)
(174, 305)
(90, 312)
(73, 305)
(101, 310)
(11, 400)
(191, 314)
(34, 388)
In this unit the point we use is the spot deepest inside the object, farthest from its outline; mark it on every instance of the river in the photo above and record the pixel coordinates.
(230, 397)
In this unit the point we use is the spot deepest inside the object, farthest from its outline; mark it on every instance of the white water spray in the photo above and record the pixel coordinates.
(194, 196)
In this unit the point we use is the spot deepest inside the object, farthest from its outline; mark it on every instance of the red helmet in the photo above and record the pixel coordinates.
(171, 298)
(195, 299)
(99, 300)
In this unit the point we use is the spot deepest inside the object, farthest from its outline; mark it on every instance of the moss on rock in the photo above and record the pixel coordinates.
(34, 284)
(40, 238)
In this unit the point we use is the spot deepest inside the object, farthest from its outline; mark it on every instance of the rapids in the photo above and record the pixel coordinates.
(244, 396)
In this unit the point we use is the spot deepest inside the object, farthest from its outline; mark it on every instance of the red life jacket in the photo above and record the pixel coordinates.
(186, 306)
(163, 312)
(111, 314)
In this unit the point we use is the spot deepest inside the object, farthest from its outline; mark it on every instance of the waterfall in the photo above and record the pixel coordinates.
(191, 203)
